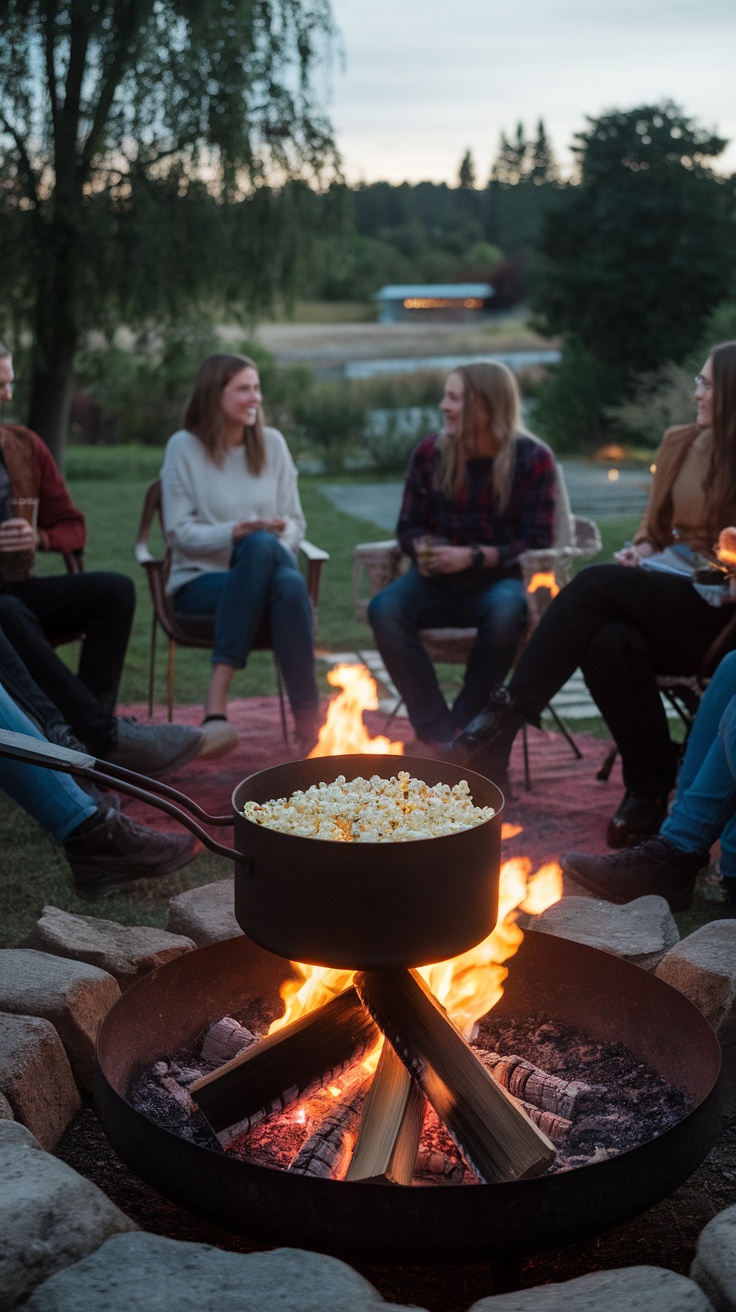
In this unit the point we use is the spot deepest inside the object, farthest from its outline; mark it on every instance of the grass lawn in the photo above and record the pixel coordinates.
(108, 485)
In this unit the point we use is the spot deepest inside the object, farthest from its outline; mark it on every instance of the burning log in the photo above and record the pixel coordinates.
(390, 1126)
(430, 1161)
(326, 1152)
(224, 1039)
(528, 1083)
(497, 1138)
(556, 1128)
(279, 1070)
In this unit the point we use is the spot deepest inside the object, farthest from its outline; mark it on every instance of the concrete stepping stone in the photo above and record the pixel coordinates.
(714, 1266)
(74, 996)
(641, 931)
(146, 1273)
(127, 952)
(36, 1078)
(204, 914)
(630, 1289)
(49, 1215)
(703, 967)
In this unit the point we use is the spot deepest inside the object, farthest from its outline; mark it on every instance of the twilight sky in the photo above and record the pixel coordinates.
(423, 80)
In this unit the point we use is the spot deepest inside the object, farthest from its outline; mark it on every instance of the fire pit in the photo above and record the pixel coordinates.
(574, 985)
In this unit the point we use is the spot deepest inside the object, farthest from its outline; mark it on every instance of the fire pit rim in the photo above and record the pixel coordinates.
(441, 1206)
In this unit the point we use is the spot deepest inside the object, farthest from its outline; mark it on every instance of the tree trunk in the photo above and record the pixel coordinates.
(49, 406)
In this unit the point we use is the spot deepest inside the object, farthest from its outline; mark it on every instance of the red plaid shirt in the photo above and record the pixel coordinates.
(473, 517)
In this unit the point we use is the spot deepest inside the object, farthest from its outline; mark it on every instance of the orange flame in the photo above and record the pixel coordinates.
(544, 579)
(725, 548)
(468, 986)
(344, 732)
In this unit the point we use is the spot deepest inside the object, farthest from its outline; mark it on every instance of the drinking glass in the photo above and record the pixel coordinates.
(15, 566)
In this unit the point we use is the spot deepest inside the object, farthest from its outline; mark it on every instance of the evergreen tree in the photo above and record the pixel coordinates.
(466, 175)
(129, 127)
(542, 163)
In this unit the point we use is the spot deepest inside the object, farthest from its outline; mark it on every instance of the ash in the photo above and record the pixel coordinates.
(629, 1102)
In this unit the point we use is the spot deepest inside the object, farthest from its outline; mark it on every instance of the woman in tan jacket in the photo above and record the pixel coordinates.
(625, 626)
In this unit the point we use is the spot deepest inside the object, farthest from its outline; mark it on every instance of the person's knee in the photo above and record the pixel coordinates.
(504, 609)
(256, 548)
(384, 611)
(12, 609)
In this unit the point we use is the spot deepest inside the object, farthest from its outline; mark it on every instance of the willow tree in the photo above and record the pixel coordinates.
(128, 128)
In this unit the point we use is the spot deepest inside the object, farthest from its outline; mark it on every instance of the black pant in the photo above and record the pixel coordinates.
(622, 626)
(36, 613)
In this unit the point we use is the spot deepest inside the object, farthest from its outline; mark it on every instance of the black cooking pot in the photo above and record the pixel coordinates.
(358, 906)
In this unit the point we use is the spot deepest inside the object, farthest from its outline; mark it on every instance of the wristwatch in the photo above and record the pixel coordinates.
(479, 559)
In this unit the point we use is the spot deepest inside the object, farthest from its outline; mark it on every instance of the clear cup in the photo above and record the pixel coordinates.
(15, 566)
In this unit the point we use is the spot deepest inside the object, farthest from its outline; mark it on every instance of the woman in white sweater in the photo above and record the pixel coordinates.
(233, 521)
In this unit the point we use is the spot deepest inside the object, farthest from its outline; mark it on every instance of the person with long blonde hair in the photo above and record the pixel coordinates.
(476, 496)
(233, 520)
(626, 626)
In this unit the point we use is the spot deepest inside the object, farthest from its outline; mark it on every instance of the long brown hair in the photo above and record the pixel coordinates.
(203, 414)
(721, 480)
(490, 400)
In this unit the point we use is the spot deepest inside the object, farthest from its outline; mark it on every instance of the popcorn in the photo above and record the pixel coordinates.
(375, 810)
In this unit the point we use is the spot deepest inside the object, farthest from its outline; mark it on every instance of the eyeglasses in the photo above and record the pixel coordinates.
(703, 383)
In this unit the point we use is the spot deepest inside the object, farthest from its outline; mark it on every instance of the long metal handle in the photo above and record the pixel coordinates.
(36, 751)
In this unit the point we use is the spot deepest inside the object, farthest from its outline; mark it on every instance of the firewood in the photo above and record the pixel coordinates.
(430, 1161)
(286, 1066)
(526, 1081)
(390, 1126)
(496, 1137)
(224, 1039)
(556, 1128)
(326, 1151)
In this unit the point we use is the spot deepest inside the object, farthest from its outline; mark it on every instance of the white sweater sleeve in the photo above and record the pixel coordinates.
(290, 507)
(185, 529)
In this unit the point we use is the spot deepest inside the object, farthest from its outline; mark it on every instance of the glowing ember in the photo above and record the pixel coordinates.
(544, 578)
(510, 831)
(344, 732)
(468, 986)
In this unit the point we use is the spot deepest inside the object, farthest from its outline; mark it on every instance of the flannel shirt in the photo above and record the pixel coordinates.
(528, 522)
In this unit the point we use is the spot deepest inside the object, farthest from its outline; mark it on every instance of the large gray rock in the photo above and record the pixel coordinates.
(204, 914)
(641, 931)
(714, 1266)
(630, 1289)
(75, 997)
(127, 952)
(145, 1273)
(49, 1215)
(36, 1078)
(703, 967)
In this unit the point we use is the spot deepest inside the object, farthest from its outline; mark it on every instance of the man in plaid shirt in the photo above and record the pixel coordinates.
(476, 496)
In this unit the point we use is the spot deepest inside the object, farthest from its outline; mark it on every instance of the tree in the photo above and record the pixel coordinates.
(466, 175)
(131, 128)
(542, 164)
(509, 167)
(636, 254)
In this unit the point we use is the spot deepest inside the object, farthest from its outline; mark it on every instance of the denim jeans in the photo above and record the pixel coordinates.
(497, 609)
(53, 799)
(705, 801)
(263, 581)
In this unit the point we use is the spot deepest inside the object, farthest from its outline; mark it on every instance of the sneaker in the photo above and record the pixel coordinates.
(656, 866)
(154, 748)
(219, 738)
(636, 819)
(107, 852)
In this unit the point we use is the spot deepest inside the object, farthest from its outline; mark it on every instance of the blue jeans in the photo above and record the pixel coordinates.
(263, 580)
(498, 610)
(705, 801)
(53, 799)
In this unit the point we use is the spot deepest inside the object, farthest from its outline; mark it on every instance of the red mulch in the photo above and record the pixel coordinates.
(567, 808)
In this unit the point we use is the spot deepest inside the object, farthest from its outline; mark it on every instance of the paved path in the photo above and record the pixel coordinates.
(591, 493)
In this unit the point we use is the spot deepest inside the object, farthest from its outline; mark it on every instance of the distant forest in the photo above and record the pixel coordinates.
(432, 232)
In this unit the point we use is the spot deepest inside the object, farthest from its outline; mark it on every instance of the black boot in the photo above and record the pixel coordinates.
(107, 852)
(485, 744)
(656, 866)
(635, 819)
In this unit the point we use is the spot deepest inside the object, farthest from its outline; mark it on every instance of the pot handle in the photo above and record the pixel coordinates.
(37, 751)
